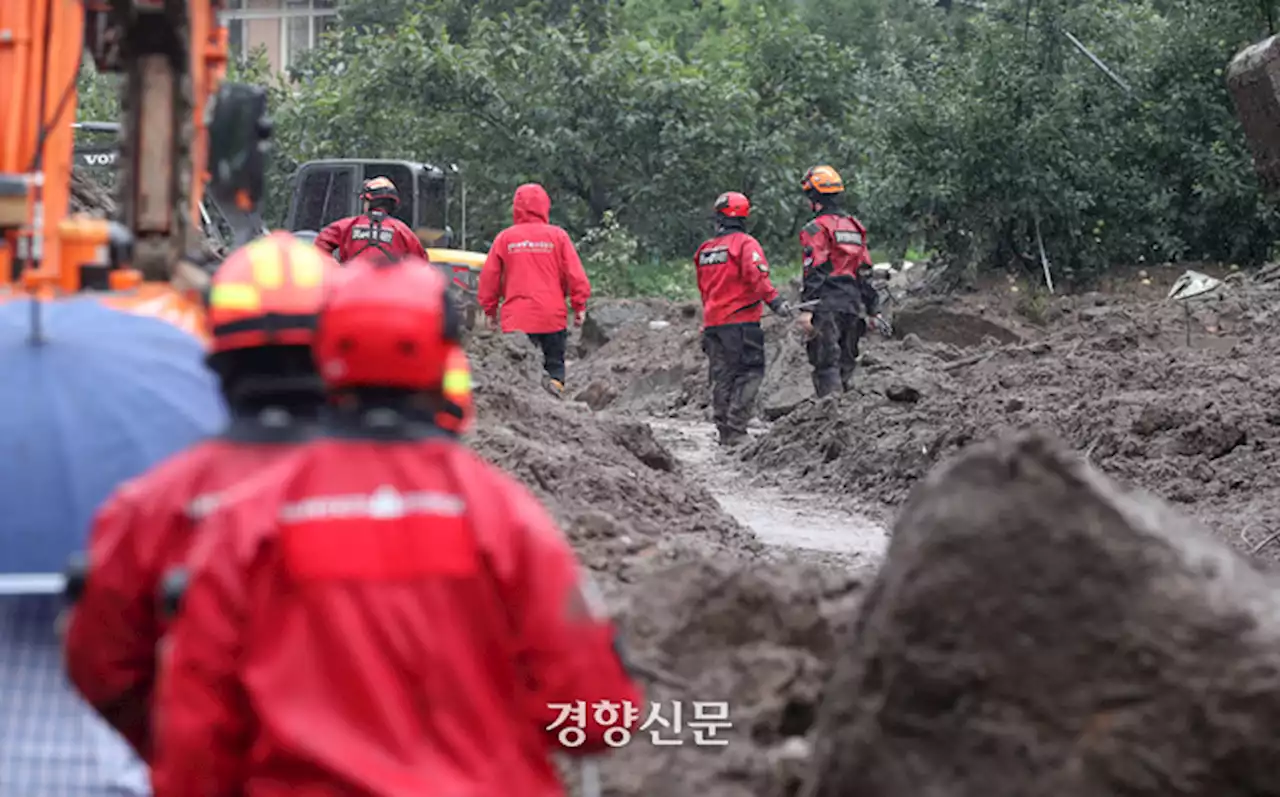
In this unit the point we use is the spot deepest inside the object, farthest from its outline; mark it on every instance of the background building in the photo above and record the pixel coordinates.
(284, 28)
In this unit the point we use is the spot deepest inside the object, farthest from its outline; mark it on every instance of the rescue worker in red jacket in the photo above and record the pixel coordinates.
(837, 293)
(261, 311)
(733, 278)
(385, 613)
(375, 233)
(531, 269)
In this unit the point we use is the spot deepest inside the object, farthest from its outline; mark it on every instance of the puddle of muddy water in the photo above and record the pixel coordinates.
(784, 519)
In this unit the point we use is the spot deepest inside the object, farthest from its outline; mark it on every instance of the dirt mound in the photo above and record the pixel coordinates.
(694, 597)
(1195, 424)
(930, 322)
(89, 196)
(1103, 646)
(660, 368)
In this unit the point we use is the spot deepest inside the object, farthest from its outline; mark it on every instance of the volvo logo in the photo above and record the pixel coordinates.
(99, 158)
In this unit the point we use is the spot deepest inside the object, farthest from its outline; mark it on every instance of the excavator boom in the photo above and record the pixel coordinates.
(172, 56)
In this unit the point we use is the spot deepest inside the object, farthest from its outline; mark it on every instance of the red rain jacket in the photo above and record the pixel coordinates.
(352, 238)
(835, 250)
(733, 277)
(532, 267)
(144, 529)
(381, 618)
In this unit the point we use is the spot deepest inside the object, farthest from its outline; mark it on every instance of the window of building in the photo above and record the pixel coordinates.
(305, 22)
(284, 28)
(235, 32)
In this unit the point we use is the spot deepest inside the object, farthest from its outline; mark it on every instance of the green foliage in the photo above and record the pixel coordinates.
(97, 95)
(975, 134)
(611, 257)
(1014, 129)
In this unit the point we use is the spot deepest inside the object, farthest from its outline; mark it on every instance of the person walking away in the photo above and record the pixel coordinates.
(261, 311)
(733, 278)
(837, 293)
(531, 269)
(375, 233)
(387, 613)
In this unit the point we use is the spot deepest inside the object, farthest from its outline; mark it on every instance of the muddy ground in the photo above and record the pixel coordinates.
(732, 571)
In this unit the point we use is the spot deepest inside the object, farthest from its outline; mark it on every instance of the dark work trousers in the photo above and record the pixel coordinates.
(553, 345)
(736, 356)
(833, 350)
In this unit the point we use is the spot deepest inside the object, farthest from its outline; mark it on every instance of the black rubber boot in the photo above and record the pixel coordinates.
(731, 437)
(826, 382)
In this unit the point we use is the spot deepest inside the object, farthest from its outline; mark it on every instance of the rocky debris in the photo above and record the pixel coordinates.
(696, 598)
(1197, 424)
(1104, 645)
(605, 319)
(90, 197)
(932, 322)
(903, 393)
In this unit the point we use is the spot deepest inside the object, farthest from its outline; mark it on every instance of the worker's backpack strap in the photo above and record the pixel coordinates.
(375, 228)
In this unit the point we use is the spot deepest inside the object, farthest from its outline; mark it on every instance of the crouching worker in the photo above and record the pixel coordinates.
(532, 268)
(385, 613)
(733, 278)
(261, 311)
(837, 291)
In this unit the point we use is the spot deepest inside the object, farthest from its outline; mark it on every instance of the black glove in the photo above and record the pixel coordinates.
(780, 308)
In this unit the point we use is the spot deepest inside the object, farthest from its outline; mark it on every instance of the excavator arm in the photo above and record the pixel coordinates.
(172, 56)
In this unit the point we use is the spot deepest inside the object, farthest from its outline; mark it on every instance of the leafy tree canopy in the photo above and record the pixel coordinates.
(961, 127)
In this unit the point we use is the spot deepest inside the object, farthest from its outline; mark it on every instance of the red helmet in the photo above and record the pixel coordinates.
(733, 205)
(380, 189)
(391, 325)
(267, 293)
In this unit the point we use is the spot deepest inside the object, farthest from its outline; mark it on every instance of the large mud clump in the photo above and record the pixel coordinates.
(1104, 646)
(1195, 422)
(704, 615)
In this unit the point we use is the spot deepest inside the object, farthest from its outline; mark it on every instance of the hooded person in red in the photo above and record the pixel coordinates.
(733, 278)
(374, 234)
(385, 613)
(148, 525)
(531, 269)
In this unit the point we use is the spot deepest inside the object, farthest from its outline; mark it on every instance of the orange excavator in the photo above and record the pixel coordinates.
(172, 57)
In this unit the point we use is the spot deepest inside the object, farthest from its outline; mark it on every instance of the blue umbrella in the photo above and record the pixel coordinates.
(90, 397)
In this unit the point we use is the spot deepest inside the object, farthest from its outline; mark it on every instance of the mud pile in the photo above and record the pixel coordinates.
(89, 196)
(694, 597)
(1104, 646)
(654, 365)
(1197, 424)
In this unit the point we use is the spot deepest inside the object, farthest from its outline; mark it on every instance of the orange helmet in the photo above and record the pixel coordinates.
(267, 293)
(388, 325)
(822, 180)
(456, 387)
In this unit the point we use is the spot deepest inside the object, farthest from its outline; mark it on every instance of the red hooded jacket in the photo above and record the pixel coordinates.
(387, 617)
(144, 529)
(352, 237)
(733, 278)
(532, 267)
